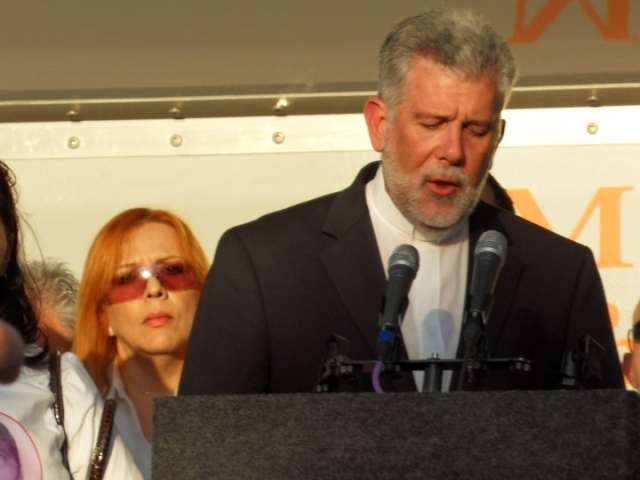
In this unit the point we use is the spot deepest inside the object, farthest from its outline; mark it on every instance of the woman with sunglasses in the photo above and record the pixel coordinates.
(137, 299)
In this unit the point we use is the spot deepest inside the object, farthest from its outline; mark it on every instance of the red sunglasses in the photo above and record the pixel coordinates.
(132, 283)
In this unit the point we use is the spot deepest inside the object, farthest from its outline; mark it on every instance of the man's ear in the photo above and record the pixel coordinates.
(375, 115)
(503, 127)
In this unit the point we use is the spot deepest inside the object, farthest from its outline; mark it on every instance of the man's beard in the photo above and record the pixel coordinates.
(430, 213)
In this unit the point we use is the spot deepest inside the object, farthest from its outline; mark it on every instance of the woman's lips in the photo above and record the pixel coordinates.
(157, 319)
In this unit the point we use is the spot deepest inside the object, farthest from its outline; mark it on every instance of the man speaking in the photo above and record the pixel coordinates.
(280, 286)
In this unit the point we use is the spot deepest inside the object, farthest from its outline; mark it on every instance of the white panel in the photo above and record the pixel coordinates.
(298, 134)
(221, 172)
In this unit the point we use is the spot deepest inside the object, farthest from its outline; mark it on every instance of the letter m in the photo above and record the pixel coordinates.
(607, 200)
(616, 27)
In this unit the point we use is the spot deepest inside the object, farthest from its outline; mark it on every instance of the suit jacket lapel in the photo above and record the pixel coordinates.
(353, 260)
(354, 264)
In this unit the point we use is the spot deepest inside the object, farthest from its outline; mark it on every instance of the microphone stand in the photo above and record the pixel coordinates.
(582, 366)
(474, 344)
(339, 373)
(432, 381)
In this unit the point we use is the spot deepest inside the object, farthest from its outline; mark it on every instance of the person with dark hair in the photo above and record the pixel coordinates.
(138, 296)
(282, 285)
(11, 352)
(65, 442)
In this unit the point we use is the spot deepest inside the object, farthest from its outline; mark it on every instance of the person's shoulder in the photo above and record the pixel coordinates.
(313, 213)
(530, 240)
(527, 229)
(290, 221)
(524, 234)
(280, 231)
(69, 361)
(76, 381)
(309, 210)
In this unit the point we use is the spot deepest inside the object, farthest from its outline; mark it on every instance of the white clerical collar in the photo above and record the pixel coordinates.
(388, 210)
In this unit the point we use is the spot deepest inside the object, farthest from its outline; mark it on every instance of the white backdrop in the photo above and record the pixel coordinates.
(576, 171)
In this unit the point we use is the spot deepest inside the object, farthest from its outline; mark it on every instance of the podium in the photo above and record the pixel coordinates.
(469, 435)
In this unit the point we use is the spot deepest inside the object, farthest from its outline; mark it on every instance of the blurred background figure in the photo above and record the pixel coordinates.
(53, 288)
(64, 442)
(11, 352)
(138, 296)
(631, 360)
(495, 194)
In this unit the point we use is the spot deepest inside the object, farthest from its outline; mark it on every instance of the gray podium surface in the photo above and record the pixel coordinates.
(492, 435)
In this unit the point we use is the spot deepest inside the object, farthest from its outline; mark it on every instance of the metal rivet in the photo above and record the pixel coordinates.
(592, 128)
(278, 137)
(176, 113)
(73, 116)
(593, 101)
(73, 142)
(176, 140)
(281, 106)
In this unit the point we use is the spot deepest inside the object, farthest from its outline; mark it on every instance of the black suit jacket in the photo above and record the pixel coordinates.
(280, 286)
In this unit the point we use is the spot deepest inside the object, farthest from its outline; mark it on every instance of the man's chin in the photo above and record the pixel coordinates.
(439, 220)
(445, 214)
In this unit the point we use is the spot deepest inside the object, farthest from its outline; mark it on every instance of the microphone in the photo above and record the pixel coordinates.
(403, 266)
(489, 257)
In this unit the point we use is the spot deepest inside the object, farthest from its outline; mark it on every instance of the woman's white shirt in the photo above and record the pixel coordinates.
(26, 409)
(129, 425)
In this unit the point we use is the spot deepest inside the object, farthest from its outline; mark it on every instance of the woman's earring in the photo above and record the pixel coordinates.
(111, 334)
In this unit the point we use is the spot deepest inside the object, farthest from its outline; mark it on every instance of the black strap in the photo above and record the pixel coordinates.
(100, 452)
(55, 384)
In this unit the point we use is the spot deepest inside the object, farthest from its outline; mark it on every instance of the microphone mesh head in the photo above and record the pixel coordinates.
(405, 255)
(492, 241)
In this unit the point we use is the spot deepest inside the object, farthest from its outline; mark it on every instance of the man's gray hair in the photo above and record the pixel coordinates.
(56, 288)
(459, 39)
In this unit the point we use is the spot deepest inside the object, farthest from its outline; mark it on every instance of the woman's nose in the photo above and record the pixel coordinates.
(154, 287)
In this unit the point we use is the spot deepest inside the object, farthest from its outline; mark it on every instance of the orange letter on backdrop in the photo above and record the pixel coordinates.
(616, 29)
(608, 199)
